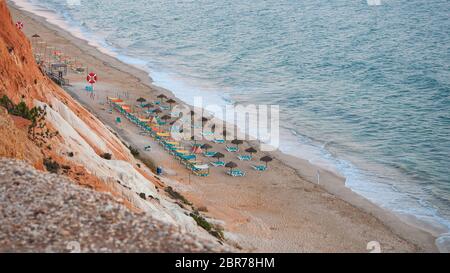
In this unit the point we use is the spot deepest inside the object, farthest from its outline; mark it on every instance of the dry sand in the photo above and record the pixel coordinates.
(274, 211)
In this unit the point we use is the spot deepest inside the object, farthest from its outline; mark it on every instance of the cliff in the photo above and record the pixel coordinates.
(67, 139)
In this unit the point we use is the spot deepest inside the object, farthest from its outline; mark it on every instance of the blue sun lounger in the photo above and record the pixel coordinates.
(219, 141)
(205, 134)
(209, 154)
(244, 157)
(217, 164)
(260, 168)
(236, 173)
(232, 149)
(187, 157)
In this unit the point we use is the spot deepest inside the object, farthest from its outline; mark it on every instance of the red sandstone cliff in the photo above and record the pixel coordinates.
(78, 138)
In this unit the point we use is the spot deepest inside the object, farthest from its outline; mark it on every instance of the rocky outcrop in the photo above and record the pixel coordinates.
(42, 212)
(14, 141)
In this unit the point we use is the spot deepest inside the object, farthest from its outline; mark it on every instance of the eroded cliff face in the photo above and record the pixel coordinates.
(79, 139)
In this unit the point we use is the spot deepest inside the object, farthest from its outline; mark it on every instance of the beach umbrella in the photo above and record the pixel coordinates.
(35, 37)
(266, 159)
(170, 102)
(157, 111)
(141, 100)
(166, 117)
(219, 156)
(206, 146)
(231, 165)
(237, 142)
(204, 120)
(194, 139)
(148, 105)
(251, 150)
(161, 97)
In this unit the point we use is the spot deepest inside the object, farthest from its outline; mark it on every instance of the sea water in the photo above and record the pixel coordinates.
(363, 88)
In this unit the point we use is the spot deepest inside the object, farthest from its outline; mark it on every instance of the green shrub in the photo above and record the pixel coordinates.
(177, 195)
(20, 109)
(201, 221)
(212, 229)
(51, 166)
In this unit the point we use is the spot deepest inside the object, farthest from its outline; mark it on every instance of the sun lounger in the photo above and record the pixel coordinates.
(260, 168)
(236, 173)
(163, 134)
(217, 163)
(187, 157)
(219, 141)
(205, 134)
(209, 154)
(232, 149)
(200, 169)
(244, 157)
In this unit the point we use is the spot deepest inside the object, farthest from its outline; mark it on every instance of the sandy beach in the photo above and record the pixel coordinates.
(280, 210)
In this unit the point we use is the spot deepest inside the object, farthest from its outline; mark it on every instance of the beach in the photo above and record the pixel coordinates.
(280, 210)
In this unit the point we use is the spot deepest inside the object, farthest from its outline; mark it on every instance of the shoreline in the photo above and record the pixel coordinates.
(305, 170)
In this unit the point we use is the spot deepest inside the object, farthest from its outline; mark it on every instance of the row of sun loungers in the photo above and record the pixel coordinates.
(186, 157)
(163, 137)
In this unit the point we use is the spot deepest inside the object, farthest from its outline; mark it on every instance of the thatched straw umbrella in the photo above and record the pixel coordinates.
(170, 102)
(206, 146)
(231, 165)
(148, 105)
(219, 156)
(166, 117)
(35, 37)
(237, 142)
(251, 150)
(141, 100)
(194, 139)
(157, 111)
(266, 159)
(161, 97)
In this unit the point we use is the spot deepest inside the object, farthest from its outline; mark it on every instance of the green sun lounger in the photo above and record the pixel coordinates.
(260, 168)
(232, 149)
(236, 173)
(217, 164)
(244, 157)
(209, 154)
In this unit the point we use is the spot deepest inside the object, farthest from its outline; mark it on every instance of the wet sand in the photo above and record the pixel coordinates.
(279, 210)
